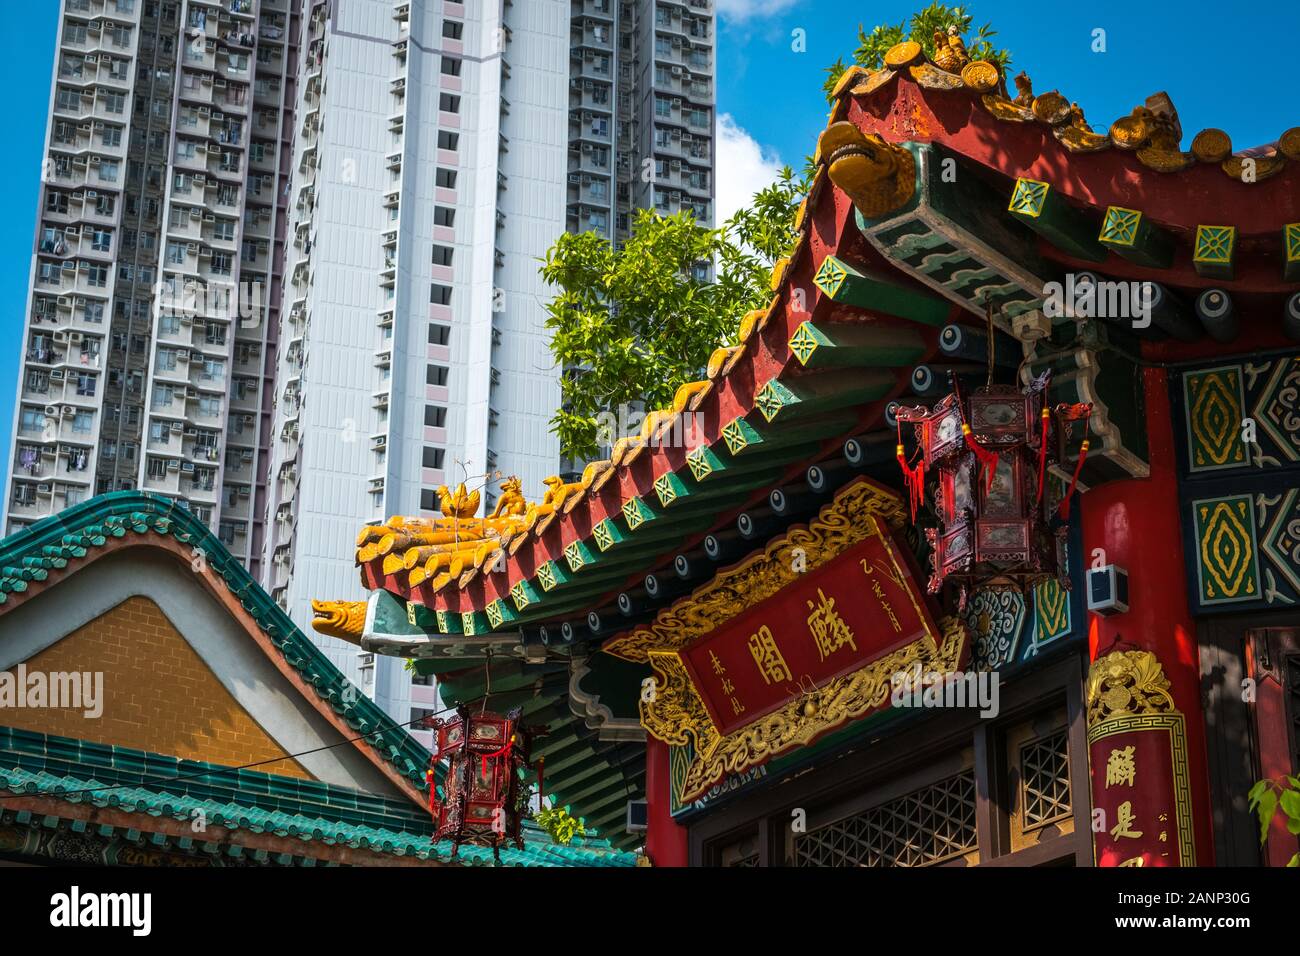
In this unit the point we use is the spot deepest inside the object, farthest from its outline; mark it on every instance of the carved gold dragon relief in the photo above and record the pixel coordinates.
(676, 714)
(840, 525)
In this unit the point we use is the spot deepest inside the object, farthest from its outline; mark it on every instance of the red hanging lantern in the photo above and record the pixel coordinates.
(988, 455)
(483, 798)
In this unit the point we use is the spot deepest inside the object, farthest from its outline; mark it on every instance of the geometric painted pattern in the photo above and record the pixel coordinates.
(1028, 198)
(995, 618)
(830, 276)
(1241, 492)
(1214, 245)
(803, 343)
(1120, 226)
(737, 434)
(1277, 409)
(1227, 563)
(1215, 410)
(1051, 612)
(1291, 240)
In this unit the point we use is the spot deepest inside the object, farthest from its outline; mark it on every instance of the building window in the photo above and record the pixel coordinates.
(448, 140)
(442, 255)
(440, 294)
(450, 66)
(439, 334)
(435, 416)
(433, 457)
(444, 216)
(449, 102)
(446, 178)
(452, 29)
(435, 375)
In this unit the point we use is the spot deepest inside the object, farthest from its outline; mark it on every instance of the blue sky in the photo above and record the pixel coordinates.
(1223, 65)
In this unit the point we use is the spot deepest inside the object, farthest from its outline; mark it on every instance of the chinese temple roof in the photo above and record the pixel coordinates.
(46, 781)
(884, 261)
(939, 195)
(308, 819)
(53, 549)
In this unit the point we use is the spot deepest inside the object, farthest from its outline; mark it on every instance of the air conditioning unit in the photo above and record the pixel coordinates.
(72, 232)
(246, 455)
(43, 489)
(60, 336)
(188, 467)
(177, 427)
(243, 491)
(191, 431)
(183, 357)
(209, 217)
(56, 375)
(51, 411)
(69, 411)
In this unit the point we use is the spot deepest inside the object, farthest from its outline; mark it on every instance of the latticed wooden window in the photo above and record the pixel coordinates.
(1045, 779)
(929, 825)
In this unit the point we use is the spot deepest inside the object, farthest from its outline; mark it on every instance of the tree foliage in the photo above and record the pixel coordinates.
(632, 323)
(920, 27)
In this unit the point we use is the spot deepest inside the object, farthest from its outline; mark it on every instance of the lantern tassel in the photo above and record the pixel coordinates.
(541, 770)
(1064, 509)
(1042, 455)
(913, 475)
(988, 459)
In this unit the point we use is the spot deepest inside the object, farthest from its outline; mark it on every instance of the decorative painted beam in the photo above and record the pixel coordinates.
(779, 400)
(838, 344)
(746, 439)
(1041, 208)
(1132, 235)
(1215, 248)
(848, 285)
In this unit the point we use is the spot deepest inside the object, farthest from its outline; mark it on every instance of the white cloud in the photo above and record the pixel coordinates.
(743, 167)
(752, 9)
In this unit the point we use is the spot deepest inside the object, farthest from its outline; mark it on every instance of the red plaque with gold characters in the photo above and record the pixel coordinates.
(1137, 751)
(791, 643)
(827, 623)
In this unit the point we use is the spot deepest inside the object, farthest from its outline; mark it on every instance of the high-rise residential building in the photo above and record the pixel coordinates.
(642, 112)
(152, 308)
(441, 148)
(428, 179)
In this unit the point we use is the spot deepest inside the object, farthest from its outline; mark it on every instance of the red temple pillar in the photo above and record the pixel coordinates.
(1149, 765)
(665, 841)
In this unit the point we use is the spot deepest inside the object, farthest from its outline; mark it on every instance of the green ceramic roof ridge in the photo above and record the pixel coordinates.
(92, 522)
(27, 767)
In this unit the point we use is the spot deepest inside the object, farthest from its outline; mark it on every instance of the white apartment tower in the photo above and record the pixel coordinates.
(428, 172)
(641, 118)
(161, 210)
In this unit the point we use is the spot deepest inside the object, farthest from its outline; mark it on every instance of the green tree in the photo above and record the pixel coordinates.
(920, 27)
(633, 323)
(1267, 797)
